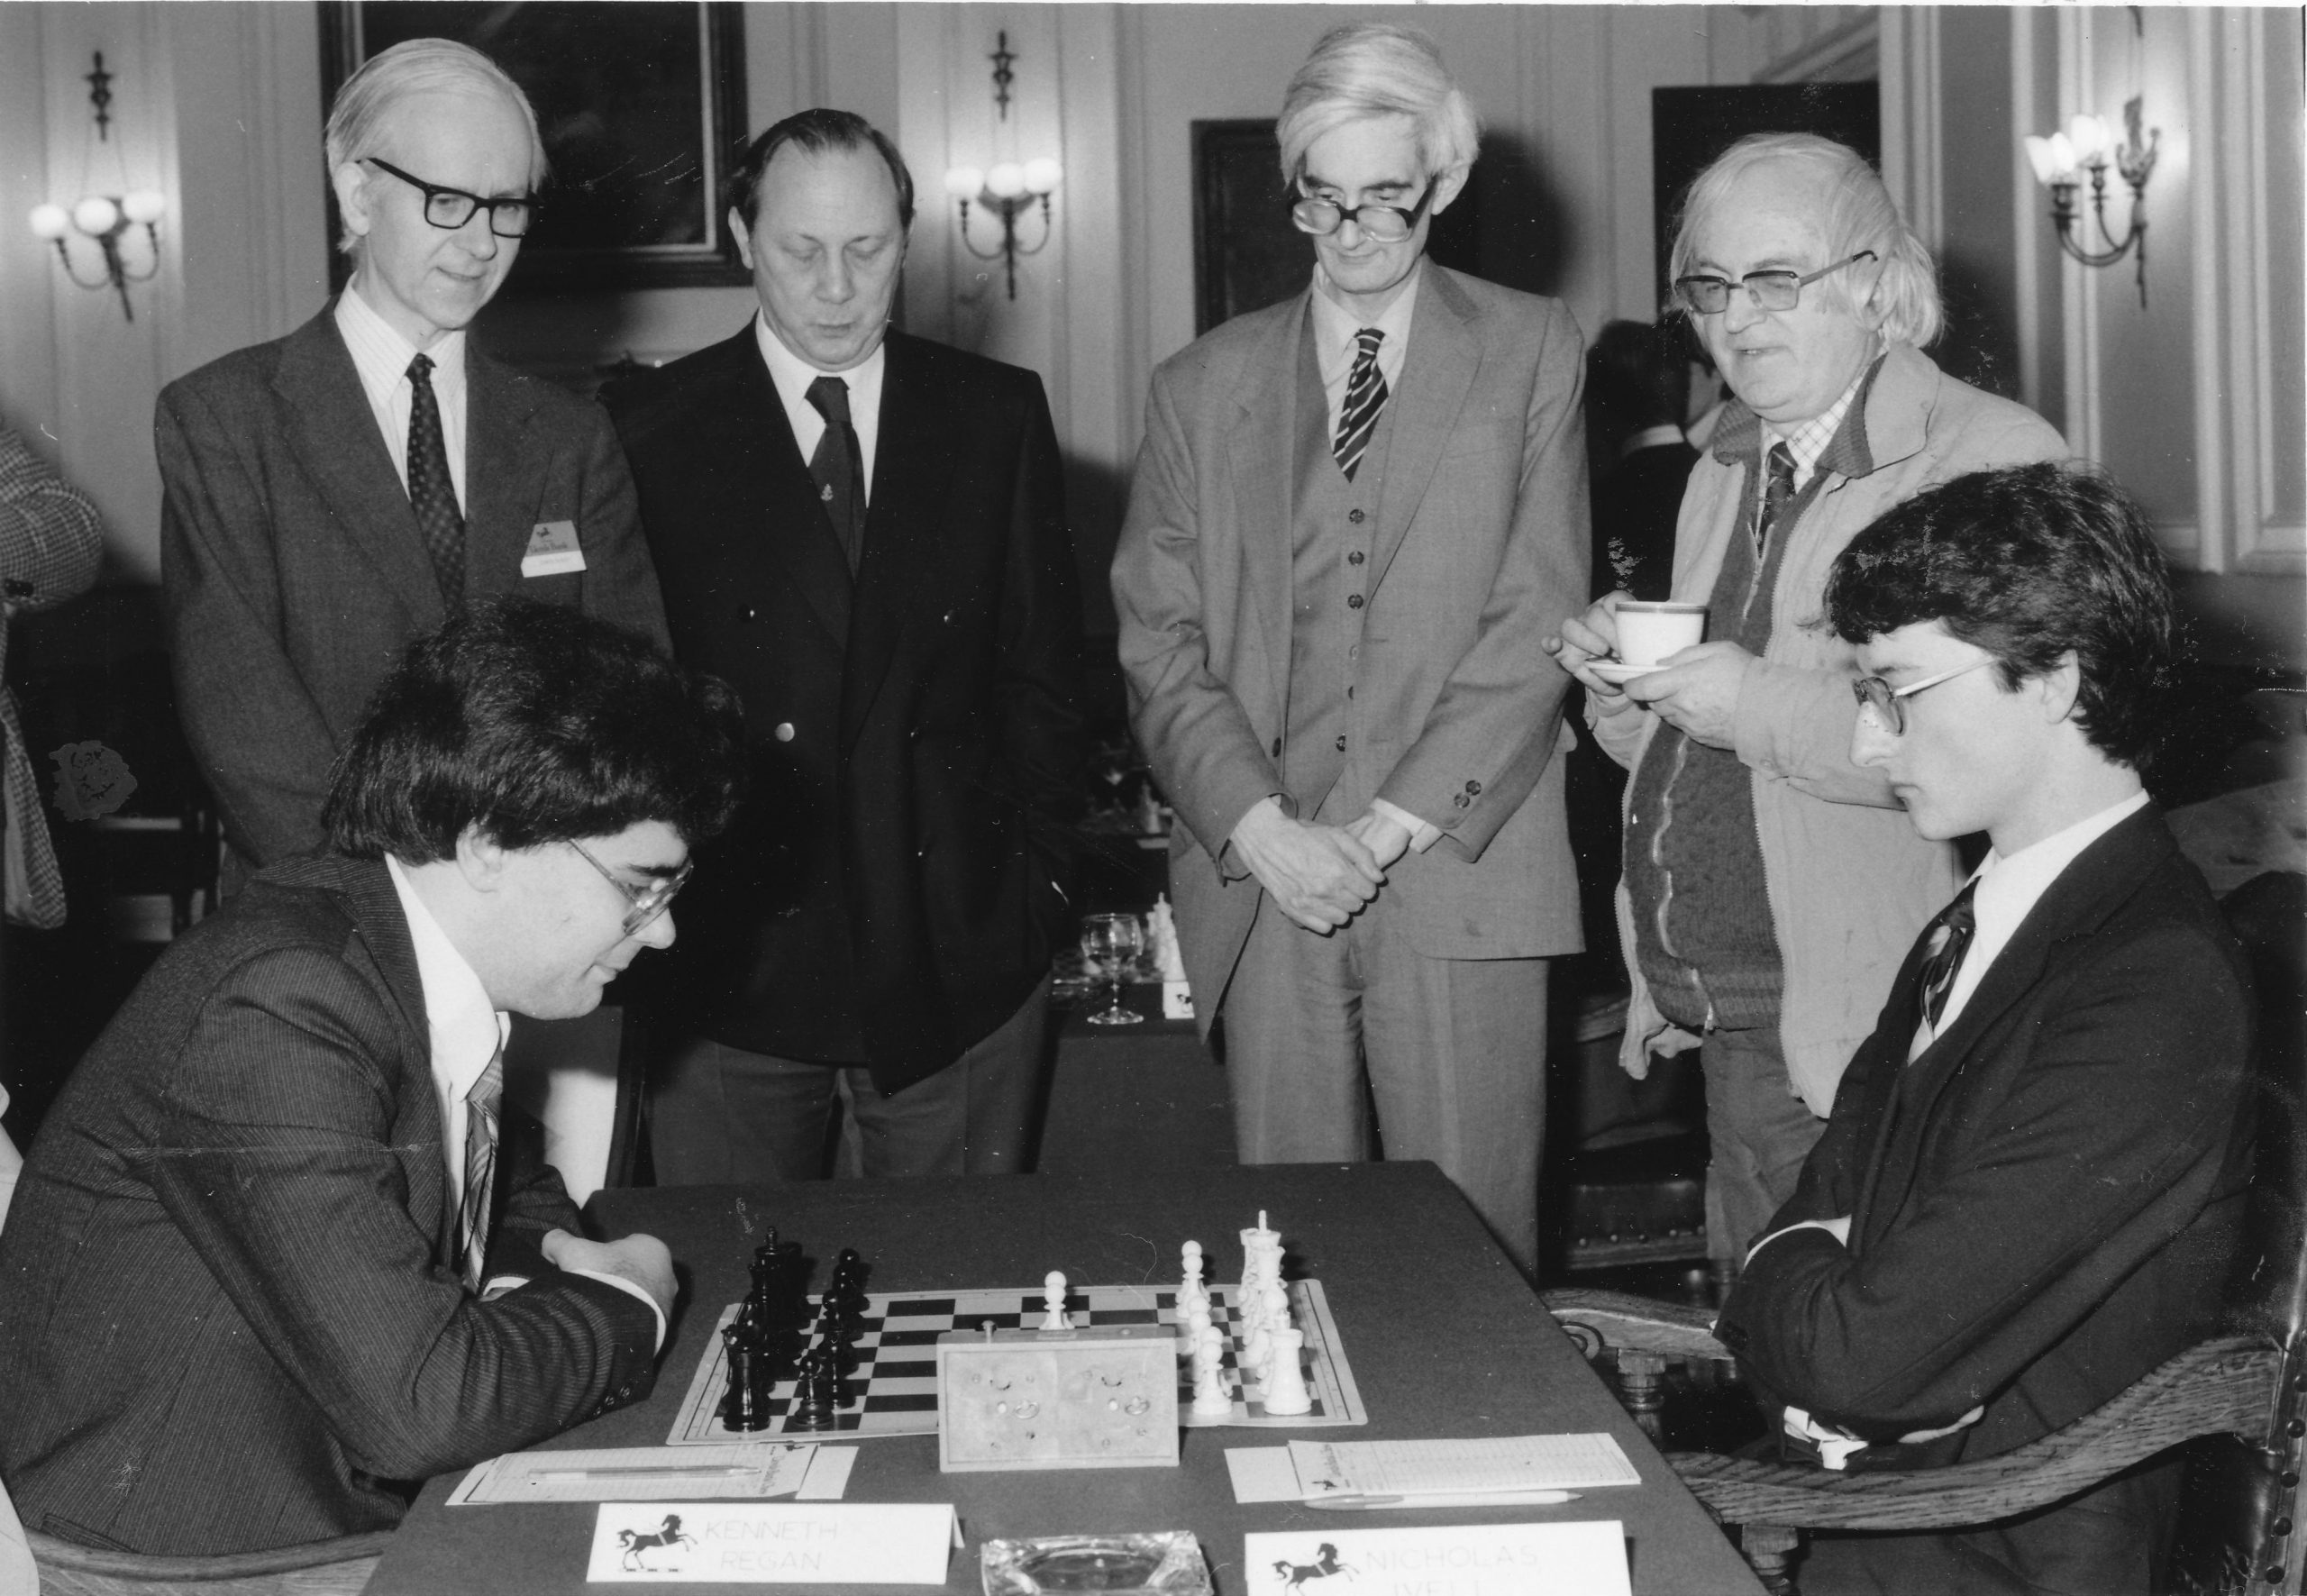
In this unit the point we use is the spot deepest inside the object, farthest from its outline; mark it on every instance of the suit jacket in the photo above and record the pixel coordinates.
(2044, 1202)
(292, 571)
(231, 1315)
(1636, 503)
(1481, 551)
(901, 870)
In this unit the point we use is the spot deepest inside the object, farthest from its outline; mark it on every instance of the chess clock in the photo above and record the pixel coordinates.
(1104, 1396)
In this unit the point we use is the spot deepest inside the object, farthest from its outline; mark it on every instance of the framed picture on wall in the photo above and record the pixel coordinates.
(643, 110)
(1247, 253)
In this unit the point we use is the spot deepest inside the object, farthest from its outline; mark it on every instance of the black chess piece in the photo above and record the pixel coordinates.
(744, 1407)
(816, 1395)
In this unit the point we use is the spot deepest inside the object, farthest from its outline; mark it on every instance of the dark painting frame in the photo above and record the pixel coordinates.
(1246, 255)
(635, 198)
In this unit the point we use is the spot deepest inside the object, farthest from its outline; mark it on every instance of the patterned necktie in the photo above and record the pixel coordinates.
(431, 493)
(1366, 396)
(1946, 939)
(838, 468)
(480, 1165)
(1776, 492)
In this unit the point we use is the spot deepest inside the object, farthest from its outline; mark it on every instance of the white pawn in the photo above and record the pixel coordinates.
(1195, 1320)
(1190, 1288)
(1053, 1302)
(1285, 1377)
(1210, 1399)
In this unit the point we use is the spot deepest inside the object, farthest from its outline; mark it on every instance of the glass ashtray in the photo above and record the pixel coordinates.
(1167, 1562)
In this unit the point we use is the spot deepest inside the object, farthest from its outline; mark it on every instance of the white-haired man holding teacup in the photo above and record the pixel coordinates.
(1770, 887)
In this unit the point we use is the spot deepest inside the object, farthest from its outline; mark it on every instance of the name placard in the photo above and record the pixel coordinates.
(771, 1543)
(1578, 1559)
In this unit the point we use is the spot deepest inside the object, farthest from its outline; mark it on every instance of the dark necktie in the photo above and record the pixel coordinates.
(838, 468)
(480, 1165)
(1366, 396)
(1946, 940)
(431, 493)
(1776, 493)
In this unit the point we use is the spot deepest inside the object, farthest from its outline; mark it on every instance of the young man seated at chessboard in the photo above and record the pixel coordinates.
(2030, 1188)
(260, 1280)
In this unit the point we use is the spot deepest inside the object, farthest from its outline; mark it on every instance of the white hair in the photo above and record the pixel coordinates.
(358, 120)
(1855, 212)
(1377, 69)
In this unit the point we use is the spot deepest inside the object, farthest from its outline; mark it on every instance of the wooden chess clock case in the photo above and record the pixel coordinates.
(1104, 1396)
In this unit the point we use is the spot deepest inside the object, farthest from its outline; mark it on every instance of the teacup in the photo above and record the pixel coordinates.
(1650, 631)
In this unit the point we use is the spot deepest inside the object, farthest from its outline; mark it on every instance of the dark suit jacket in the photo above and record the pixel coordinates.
(1636, 504)
(2043, 1203)
(294, 572)
(230, 1315)
(898, 876)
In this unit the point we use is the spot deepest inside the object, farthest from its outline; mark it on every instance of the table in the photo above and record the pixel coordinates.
(1147, 1095)
(1445, 1338)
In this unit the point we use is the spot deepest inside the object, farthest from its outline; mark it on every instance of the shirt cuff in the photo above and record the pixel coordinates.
(1825, 1225)
(499, 1284)
(1422, 836)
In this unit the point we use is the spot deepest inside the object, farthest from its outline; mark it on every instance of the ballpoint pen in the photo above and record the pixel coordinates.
(649, 1471)
(1446, 1498)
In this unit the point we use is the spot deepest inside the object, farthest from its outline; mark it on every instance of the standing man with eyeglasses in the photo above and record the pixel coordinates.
(1771, 885)
(335, 493)
(1355, 515)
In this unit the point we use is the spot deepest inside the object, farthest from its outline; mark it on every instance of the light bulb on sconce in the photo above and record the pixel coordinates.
(2086, 144)
(1007, 188)
(105, 217)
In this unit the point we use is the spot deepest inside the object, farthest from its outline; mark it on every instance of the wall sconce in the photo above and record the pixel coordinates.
(107, 217)
(2060, 162)
(1008, 188)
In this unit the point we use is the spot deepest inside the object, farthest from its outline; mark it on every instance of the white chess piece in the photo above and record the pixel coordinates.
(1195, 1320)
(1189, 1288)
(1257, 1352)
(1285, 1376)
(1053, 1302)
(1276, 1306)
(1210, 1399)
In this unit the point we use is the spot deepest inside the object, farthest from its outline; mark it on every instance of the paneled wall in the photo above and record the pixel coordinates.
(219, 106)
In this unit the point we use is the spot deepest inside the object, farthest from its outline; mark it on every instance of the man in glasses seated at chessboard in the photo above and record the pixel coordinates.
(261, 1277)
(2030, 1187)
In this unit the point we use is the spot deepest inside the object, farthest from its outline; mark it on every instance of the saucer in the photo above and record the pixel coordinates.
(1618, 674)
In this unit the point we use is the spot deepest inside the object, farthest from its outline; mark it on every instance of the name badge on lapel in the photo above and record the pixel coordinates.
(553, 550)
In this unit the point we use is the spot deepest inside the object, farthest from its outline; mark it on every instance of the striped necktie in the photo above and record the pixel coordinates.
(1776, 494)
(430, 492)
(1366, 396)
(480, 1165)
(1946, 940)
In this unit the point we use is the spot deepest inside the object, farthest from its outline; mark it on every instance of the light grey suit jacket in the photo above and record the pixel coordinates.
(1481, 550)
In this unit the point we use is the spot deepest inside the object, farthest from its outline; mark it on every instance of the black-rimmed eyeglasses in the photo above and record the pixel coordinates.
(1388, 224)
(644, 904)
(1888, 702)
(450, 208)
(1770, 290)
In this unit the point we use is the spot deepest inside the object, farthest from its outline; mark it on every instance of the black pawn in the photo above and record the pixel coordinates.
(817, 1396)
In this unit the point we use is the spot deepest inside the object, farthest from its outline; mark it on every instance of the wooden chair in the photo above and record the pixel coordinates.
(338, 1568)
(2250, 1383)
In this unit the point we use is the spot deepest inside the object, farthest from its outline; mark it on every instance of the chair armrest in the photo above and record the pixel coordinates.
(2221, 1385)
(1623, 1322)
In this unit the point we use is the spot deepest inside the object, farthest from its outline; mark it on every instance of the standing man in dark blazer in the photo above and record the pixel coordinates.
(337, 492)
(2029, 1190)
(865, 533)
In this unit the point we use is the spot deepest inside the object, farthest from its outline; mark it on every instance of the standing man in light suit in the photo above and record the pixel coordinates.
(1355, 518)
(336, 493)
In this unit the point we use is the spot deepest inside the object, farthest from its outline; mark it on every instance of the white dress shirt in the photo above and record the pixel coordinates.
(792, 376)
(381, 356)
(464, 1031)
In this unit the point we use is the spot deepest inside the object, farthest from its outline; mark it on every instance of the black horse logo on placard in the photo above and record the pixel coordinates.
(1294, 1575)
(668, 1536)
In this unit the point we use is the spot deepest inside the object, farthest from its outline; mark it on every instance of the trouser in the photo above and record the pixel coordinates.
(721, 1114)
(1453, 1051)
(1761, 1131)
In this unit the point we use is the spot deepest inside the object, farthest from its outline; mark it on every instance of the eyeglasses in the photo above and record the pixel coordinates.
(451, 208)
(646, 903)
(1388, 224)
(1770, 290)
(1874, 693)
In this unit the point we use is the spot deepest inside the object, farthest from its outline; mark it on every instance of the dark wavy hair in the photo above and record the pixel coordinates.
(534, 724)
(816, 130)
(2027, 562)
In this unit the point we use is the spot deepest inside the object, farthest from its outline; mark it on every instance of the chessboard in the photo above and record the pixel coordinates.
(893, 1388)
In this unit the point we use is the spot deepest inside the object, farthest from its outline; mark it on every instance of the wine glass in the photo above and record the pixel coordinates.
(1110, 944)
